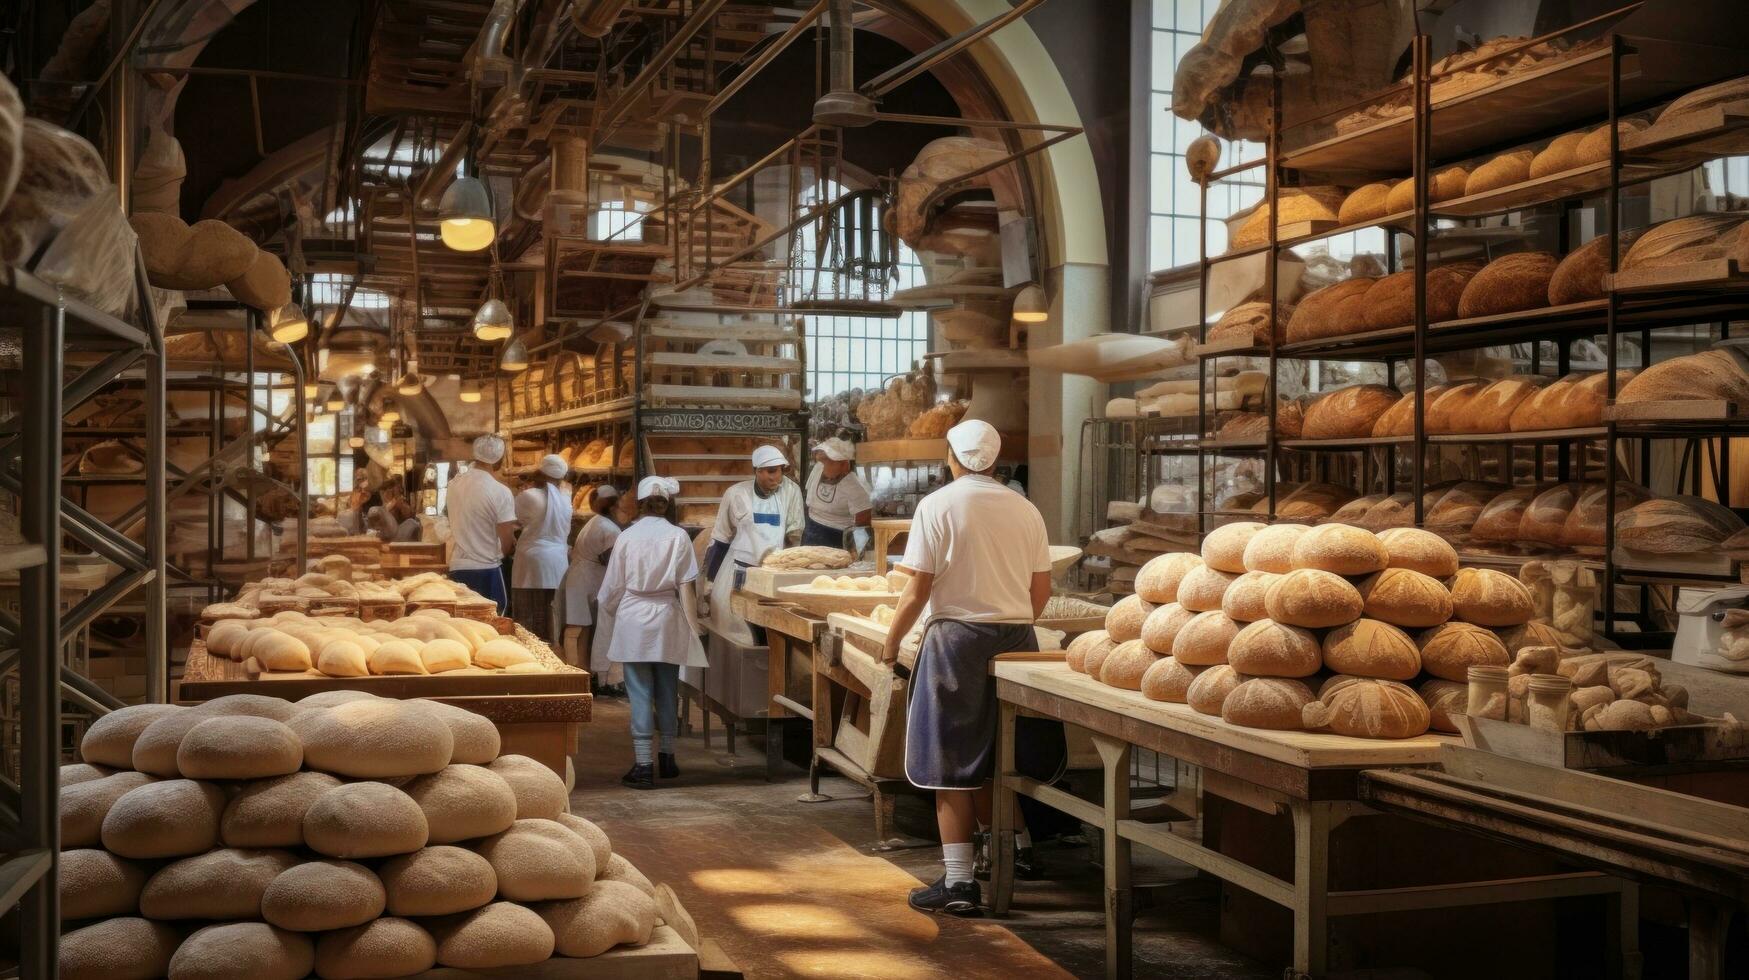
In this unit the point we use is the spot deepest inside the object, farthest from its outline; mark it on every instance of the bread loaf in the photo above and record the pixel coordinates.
(376, 739)
(387, 947)
(463, 802)
(1094, 658)
(612, 914)
(1370, 648)
(1403, 597)
(1270, 649)
(540, 793)
(364, 820)
(1418, 550)
(1460, 506)
(439, 880)
(1158, 580)
(94, 882)
(169, 818)
(1676, 525)
(1203, 588)
(233, 950)
(1579, 276)
(499, 935)
(1347, 413)
(1445, 185)
(1500, 518)
(1248, 323)
(1313, 599)
(1290, 418)
(1126, 664)
(1366, 707)
(1390, 302)
(1312, 502)
(1709, 375)
(1267, 702)
(1076, 653)
(1124, 622)
(1210, 688)
(1697, 237)
(1168, 680)
(539, 860)
(109, 741)
(1449, 650)
(1545, 517)
(239, 748)
(316, 896)
(1244, 601)
(1340, 549)
(1315, 203)
(1490, 598)
(1560, 155)
(1205, 639)
(1445, 409)
(1508, 284)
(1223, 549)
(1444, 699)
(1491, 410)
(1355, 511)
(270, 812)
(1367, 202)
(1320, 313)
(1587, 520)
(1593, 147)
(1511, 167)
(1399, 419)
(1272, 548)
(1161, 627)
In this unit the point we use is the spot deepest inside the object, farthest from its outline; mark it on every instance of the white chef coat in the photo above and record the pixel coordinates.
(836, 504)
(752, 525)
(982, 542)
(651, 560)
(545, 514)
(583, 578)
(477, 504)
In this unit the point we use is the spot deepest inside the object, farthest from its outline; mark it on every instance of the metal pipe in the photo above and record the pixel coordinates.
(842, 104)
(608, 123)
(765, 58)
(491, 66)
(595, 18)
(157, 634)
(924, 60)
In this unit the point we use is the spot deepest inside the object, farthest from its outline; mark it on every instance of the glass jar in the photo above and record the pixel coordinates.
(1549, 702)
(1487, 695)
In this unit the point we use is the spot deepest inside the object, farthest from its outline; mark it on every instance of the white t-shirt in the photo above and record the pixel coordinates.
(982, 542)
(756, 524)
(478, 503)
(836, 504)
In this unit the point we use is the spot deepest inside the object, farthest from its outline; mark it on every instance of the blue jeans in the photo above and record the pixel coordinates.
(488, 582)
(654, 692)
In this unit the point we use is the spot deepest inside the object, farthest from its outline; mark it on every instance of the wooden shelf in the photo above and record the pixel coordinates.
(1343, 445)
(714, 396)
(1527, 436)
(18, 556)
(924, 450)
(616, 410)
(1290, 235)
(1673, 143)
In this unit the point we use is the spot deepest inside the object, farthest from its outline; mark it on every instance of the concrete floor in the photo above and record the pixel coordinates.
(793, 889)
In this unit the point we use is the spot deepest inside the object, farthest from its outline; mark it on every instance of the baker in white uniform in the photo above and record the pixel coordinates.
(980, 571)
(482, 523)
(544, 511)
(589, 555)
(755, 517)
(651, 591)
(837, 499)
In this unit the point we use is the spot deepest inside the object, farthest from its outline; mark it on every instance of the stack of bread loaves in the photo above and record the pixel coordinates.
(427, 642)
(345, 835)
(1242, 629)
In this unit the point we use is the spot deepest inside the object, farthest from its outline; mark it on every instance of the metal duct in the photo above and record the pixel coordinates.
(843, 105)
(491, 65)
(595, 18)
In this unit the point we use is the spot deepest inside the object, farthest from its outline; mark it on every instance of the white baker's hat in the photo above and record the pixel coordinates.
(658, 486)
(606, 491)
(488, 449)
(766, 456)
(836, 449)
(975, 444)
(553, 465)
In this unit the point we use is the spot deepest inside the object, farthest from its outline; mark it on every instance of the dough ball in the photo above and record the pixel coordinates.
(172, 818)
(270, 812)
(501, 934)
(239, 747)
(84, 805)
(156, 747)
(95, 883)
(317, 896)
(463, 802)
(376, 739)
(74, 773)
(502, 652)
(364, 820)
(537, 860)
(119, 949)
(110, 739)
(442, 655)
(257, 705)
(540, 793)
(383, 948)
(612, 914)
(222, 884)
(342, 658)
(476, 738)
(328, 699)
(592, 835)
(252, 950)
(394, 657)
(438, 880)
(619, 869)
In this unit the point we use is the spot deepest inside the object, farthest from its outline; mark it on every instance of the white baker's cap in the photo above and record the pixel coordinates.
(606, 491)
(766, 456)
(975, 443)
(658, 486)
(554, 465)
(488, 449)
(835, 449)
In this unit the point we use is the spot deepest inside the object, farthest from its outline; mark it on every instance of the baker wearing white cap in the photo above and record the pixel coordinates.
(980, 575)
(544, 511)
(650, 591)
(589, 555)
(482, 523)
(755, 517)
(836, 498)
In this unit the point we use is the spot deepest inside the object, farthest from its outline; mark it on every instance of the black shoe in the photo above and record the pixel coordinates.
(666, 766)
(639, 776)
(1025, 868)
(961, 900)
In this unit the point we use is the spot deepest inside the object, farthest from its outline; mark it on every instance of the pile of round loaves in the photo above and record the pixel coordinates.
(345, 835)
(1245, 629)
(426, 642)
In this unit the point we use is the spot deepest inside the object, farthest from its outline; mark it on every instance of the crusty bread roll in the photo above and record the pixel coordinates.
(1449, 650)
(1370, 648)
(1341, 549)
(1500, 518)
(1419, 550)
(1125, 666)
(1313, 599)
(1075, 655)
(1519, 281)
(1124, 622)
(1489, 598)
(1586, 521)
(1162, 626)
(1224, 548)
(1267, 648)
(1319, 313)
(1545, 517)
(1367, 707)
(1347, 413)
(1204, 640)
(1403, 597)
(1444, 699)
(1506, 169)
(1579, 276)
(1244, 601)
(278, 651)
(1491, 410)
(1676, 525)
(1717, 374)
(1558, 156)
(1365, 203)
(1094, 659)
(1157, 582)
(1267, 702)
(1202, 588)
(1168, 680)
(1211, 687)
(1272, 549)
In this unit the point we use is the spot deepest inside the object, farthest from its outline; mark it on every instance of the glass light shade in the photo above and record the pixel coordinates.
(312, 389)
(1031, 305)
(492, 321)
(356, 442)
(409, 383)
(465, 216)
(389, 416)
(514, 358)
(288, 325)
(470, 392)
(336, 401)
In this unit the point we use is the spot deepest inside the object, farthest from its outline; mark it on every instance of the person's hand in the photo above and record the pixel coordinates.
(703, 607)
(890, 652)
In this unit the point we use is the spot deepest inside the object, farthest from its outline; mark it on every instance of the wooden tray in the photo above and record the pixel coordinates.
(665, 957)
(764, 582)
(825, 603)
(1676, 745)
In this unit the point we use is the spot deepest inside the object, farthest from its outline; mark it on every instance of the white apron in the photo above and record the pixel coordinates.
(761, 531)
(642, 592)
(541, 556)
(583, 578)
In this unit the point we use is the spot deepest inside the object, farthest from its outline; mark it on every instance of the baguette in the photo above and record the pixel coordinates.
(1519, 281)
(1347, 413)
(1712, 374)
(1321, 312)
(1508, 168)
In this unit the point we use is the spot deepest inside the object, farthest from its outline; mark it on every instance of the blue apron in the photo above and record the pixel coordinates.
(950, 724)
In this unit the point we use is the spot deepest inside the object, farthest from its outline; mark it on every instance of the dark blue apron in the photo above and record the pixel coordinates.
(950, 724)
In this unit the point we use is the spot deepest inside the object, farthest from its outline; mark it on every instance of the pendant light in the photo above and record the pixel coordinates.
(470, 391)
(336, 401)
(288, 325)
(389, 415)
(356, 442)
(465, 212)
(410, 383)
(492, 321)
(1031, 305)
(515, 357)
(312, 390)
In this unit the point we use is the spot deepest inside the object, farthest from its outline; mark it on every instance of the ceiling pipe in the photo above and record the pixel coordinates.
(843, 105)
(491, 64)
(437, 179)
(595, 18)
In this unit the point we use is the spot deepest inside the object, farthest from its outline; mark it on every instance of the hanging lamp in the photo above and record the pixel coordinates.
(470, 391)
(356, 442)
(312, 390)
(336, 401)
(492, 322)
(515, 357)
(409, 383)
(389, 415)
(287, 324)
(1031, 304)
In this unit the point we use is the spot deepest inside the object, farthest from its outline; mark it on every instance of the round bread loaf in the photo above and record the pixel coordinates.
(342, 658)
(1398, 420)
(1341, 549)
(254, 950)
(1313, 599)
(501, 934)
(364, 820)
(438, 880)
(1086, 643)
(1396, 510)
(1270, 649)
(476, 738)
(382, 948)
(1585, 523)
(1204, 641)
(1157, 582)
(393, 657)
(1492, 410)
(171, 818)
(110, 739)
(1124, 667)
(1365, 203)
(537, 860)
(445, 654)
(612, 914)
(239, 747)
(619, 869)
(119, 949)
(95, 883)
(270, 812)
(376, 739)
(599, 846)
(540, 793)
(253, 705)
(1419, 551)
(1519, 281)
(1366, 707)
(1460, 506)
(74, 773)
(1558, 156)
(1123, 622)
(1531, 634)
(1579, 276)
(225, 636)
(1168, 680)
(1489, 598)
(85, 805)
(1267, 702)
(1326, 312)
(462, 802)
(1500, 518)
(1449, 651)
(1444, 699)
(1224, 547)
(1403, 597)
(1162, 626)
(226, 883)
(1444, 410)
(1369, 648)
(1504, 170)
(1272, 549)
(156, 746)
(316, 896)
(1096, 657)
(1211, 687)
(1445, 185)
(1203, 588)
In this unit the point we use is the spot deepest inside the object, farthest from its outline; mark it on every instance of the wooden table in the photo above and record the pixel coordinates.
(1312, 777)
(792, 635)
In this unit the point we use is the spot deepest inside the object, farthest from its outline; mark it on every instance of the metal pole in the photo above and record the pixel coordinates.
(253, 324)
(157, 639)
(303, 461)
(1423, 144)
(1609, 352)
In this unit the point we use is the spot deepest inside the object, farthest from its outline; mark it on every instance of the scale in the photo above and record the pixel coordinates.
(1708, 622)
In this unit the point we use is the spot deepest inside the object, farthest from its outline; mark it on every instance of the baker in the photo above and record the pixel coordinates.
(544, 512)
(357, 508)
(837, 500)
(650, 589)
(980, 569)
(482, 523)
(589, 554)
(755, 517)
